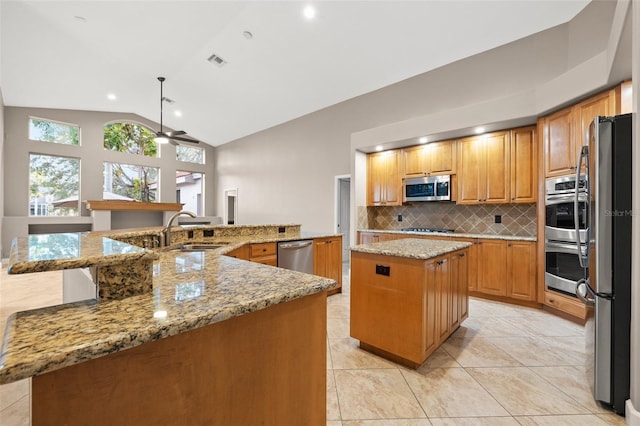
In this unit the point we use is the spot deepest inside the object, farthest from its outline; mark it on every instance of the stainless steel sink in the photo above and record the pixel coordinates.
(198, 247)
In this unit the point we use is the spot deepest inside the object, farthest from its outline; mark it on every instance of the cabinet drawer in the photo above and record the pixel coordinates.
(266, 260)
(264, 249)
(565, 304)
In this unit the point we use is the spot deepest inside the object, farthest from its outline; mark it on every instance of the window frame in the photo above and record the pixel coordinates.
(31, 118)
(79, 206)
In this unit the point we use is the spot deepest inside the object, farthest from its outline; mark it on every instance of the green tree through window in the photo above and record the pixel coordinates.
(130, 181)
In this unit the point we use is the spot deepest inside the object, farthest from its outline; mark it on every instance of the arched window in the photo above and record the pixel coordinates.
(131, 138)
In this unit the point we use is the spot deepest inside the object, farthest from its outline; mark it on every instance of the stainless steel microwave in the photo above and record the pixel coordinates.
(428, 188)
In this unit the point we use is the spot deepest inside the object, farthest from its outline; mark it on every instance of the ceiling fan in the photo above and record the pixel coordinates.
(175, 137)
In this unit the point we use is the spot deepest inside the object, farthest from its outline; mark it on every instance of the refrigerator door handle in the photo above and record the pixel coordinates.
(584, 260)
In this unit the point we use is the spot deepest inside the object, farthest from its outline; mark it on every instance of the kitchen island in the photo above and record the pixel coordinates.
(217, 340)
(408, 296)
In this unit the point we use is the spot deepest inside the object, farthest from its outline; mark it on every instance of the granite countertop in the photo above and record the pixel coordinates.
(50, 252)
(413, 248)
(190, 290)
(454, 234)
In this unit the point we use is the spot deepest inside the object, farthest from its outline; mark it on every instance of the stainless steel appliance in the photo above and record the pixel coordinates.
(607, 285)
(442, 230)
(296, 255)
(563, 225)
(560, 213)
(428, 188)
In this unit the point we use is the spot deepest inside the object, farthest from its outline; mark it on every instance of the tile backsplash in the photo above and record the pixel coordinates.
(517, 219)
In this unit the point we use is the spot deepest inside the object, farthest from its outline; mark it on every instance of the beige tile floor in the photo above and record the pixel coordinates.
(506, 365)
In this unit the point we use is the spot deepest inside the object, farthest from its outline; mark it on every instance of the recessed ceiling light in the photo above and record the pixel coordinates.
(247, 35)
(379, 148)
(309, 12)
(479, 130)
(111, 96)
(423, 139)
(177, 113)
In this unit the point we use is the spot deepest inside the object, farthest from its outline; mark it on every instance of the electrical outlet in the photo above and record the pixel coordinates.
(399, 218)
(498, 218)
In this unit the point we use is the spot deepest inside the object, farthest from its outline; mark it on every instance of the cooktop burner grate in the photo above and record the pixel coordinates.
(446, 231)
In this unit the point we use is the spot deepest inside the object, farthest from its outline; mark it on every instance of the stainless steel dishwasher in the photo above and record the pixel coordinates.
(296, 255)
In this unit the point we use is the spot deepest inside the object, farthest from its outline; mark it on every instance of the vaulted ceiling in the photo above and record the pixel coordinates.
(72, 54)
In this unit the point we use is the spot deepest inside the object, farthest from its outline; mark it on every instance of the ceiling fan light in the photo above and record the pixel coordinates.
(161, 139)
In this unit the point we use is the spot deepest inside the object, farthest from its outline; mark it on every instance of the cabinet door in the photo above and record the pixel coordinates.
(584, 114)
(496, 168)
(328, 259)
(240, 253)
(442, 158)
(492, 271)
(559, 150)
(416, 160)
(383, 179)
(430, 330)
(459, 309)
(472, 262)
(470, 155)
(524, 165)
(443, 292)
(521, 269)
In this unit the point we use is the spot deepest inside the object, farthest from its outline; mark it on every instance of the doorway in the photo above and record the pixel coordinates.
(343, 209)
(230, 206)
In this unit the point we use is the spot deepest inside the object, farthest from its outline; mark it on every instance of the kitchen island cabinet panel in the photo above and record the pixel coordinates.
(327, 260)
(404, 306)
(212, 375)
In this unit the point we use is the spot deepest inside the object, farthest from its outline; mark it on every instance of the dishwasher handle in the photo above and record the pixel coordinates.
(295, 245)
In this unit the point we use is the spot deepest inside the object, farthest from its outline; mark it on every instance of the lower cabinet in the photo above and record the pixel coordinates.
(406, 314)
(375, 237)
(502, 268)
(265, 253)
(327, 260)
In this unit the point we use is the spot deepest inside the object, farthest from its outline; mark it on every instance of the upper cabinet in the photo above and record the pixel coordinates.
(484, 169)
(564, 131)
(384, 184)
(524, 165)
(437, 158)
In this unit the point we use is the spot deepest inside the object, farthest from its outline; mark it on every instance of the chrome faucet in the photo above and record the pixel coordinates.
(166, 231)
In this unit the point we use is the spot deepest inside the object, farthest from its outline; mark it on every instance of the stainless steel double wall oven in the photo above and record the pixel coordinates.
(566, 223)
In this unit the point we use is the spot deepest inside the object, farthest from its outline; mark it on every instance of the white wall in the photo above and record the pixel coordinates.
(286, 173)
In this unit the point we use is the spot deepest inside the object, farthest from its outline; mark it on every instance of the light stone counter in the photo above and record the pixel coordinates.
(413, 248)
(190, 290)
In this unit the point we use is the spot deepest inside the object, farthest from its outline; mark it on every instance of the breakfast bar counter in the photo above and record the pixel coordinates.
(215, 331)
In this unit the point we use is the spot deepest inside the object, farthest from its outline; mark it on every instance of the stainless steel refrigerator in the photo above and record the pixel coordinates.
(606, 160)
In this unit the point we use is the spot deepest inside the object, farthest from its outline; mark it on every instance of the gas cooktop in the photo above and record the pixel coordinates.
(446, 231)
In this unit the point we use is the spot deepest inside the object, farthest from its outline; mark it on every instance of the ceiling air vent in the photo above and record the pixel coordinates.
(217, 60)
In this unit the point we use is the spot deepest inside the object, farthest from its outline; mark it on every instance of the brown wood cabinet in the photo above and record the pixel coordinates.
(459, 270)
(437, 158)
(521, 270)
(484, 169)
(265, 253)
(327, 260)
(524, 165)
(383, 179)
(564, 131)
(407, 314)
(492, 271)
(472, 262)
(376, 237)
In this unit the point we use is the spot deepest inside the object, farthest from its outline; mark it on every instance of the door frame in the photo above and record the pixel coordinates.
(346, 236)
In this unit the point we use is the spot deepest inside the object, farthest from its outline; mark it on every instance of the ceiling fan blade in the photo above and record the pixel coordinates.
(176, 133)
(184, 139)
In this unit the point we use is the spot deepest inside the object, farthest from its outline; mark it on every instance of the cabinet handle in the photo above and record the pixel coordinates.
(461, 255)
